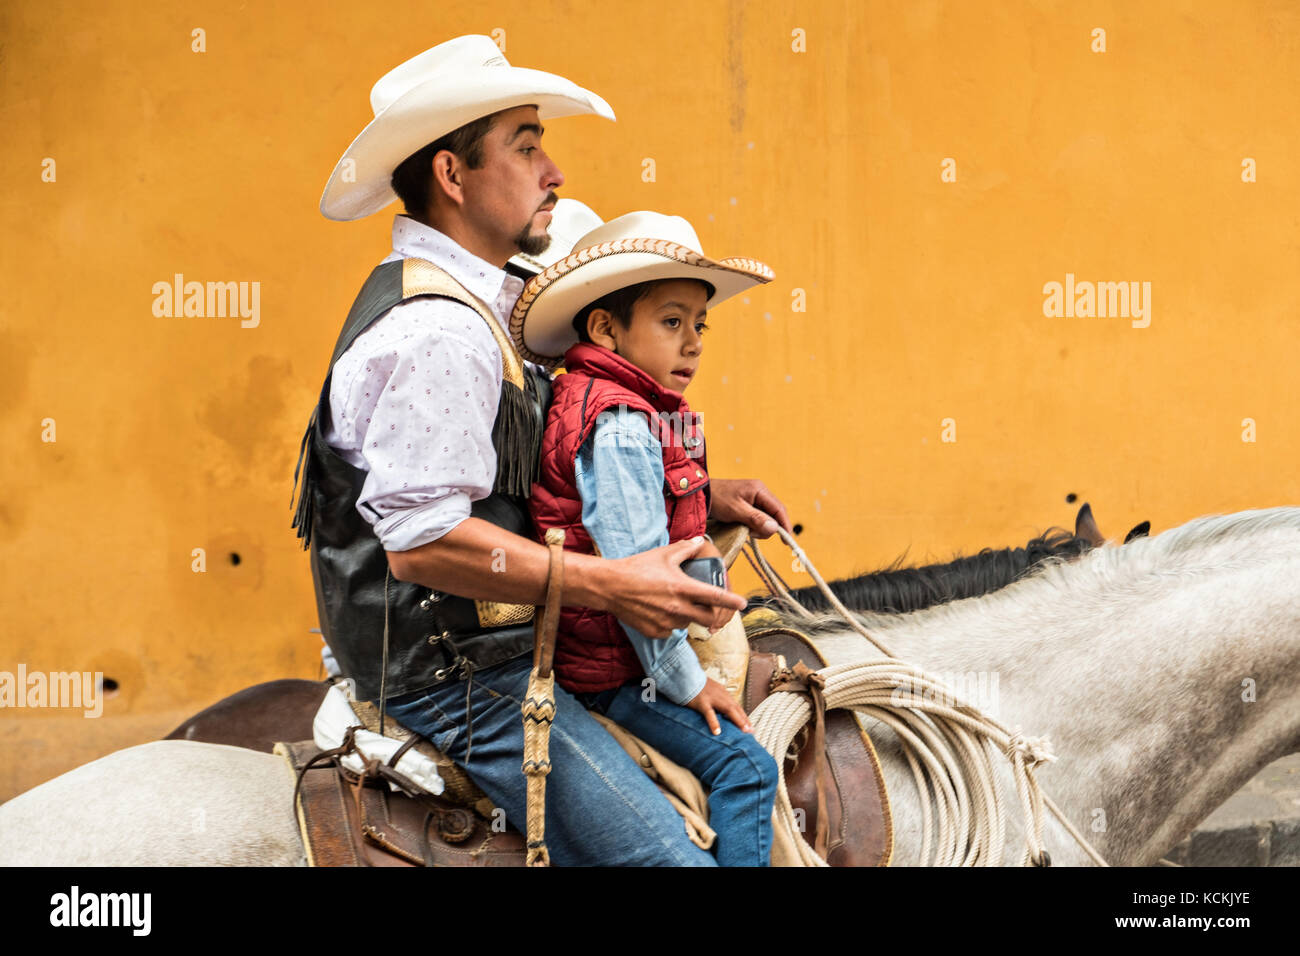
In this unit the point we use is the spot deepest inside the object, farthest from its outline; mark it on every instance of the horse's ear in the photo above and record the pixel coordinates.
(1139, 531)
(1085, 526)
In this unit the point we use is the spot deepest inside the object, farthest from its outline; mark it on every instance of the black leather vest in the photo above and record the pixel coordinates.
(432, 636)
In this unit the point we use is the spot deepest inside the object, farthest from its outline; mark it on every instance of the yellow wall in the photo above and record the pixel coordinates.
(924, 298)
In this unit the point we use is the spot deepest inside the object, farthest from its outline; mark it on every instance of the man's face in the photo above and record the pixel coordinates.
(507, 201)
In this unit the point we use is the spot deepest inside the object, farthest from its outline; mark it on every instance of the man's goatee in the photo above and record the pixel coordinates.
(531, 245)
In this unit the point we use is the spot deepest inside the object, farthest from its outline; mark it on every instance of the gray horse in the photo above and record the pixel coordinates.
(1165, 674)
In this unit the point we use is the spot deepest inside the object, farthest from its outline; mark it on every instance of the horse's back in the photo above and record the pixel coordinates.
(164, 803)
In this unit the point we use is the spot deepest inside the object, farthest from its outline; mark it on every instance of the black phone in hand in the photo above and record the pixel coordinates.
(709, 570)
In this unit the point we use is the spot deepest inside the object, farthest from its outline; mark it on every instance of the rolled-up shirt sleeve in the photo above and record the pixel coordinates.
(419, 410)
(620, 477)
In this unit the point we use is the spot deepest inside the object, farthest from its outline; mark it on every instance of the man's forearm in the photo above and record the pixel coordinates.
(479, 560)
(476, 559)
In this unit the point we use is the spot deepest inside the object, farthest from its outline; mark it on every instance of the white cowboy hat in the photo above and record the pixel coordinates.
(638, 247)
(427, 97)
(570, 221)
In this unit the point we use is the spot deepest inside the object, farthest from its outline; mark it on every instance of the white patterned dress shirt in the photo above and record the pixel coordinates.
(414, 398)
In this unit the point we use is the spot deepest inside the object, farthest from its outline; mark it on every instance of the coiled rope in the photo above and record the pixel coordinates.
(949, 744)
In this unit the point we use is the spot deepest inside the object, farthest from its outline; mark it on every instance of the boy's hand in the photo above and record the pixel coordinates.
(714, 700)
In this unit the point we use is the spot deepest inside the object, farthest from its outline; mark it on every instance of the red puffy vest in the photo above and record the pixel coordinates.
(591, 652)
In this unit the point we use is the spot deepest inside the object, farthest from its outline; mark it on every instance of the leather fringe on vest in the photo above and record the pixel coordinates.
(302, 515)
(517, 438)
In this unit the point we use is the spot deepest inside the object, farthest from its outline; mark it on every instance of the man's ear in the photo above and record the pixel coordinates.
(447, 175)
(600, 328)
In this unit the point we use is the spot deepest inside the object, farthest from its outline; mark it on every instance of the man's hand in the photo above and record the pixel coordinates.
(650, 592)
(714, 700)
(747, 501)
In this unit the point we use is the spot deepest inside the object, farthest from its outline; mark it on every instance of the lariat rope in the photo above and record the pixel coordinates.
(949, 745)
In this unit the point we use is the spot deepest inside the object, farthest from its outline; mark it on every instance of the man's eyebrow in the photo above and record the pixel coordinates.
(526, 128)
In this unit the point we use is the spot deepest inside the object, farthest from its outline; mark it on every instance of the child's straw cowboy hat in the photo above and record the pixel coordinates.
(427, 97)
(638, 247)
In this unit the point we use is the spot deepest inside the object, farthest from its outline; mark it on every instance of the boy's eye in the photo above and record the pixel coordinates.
(527, 149)
(700, 328)
(672, 322)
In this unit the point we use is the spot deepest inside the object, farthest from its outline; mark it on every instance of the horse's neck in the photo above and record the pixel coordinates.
(1161, 693)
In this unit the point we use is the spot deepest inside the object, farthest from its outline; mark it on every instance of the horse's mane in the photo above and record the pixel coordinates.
(1101, 575)
(899, 590)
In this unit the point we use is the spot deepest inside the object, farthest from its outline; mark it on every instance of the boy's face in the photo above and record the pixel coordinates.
(664, 338)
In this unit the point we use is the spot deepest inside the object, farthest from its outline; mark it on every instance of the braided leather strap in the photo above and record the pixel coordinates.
(539, 704)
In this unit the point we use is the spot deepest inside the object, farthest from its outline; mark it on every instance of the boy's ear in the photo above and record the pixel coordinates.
(600, 329)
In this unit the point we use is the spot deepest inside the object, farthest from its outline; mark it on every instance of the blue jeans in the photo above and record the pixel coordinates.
(739, 774)
(601, 808)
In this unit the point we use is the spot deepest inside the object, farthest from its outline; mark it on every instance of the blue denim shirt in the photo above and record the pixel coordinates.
(620, 478)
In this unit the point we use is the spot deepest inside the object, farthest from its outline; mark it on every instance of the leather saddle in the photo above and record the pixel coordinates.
(348, 819)
(359, 820)
(859, 824)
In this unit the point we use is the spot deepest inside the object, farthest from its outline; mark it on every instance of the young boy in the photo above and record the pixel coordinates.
(623, 471)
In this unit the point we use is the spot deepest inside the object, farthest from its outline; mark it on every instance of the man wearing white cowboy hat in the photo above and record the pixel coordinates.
(421, 451)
